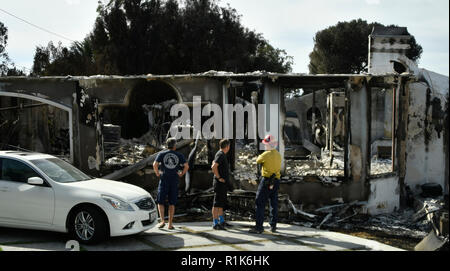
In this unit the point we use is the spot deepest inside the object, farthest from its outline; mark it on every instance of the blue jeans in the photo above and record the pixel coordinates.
(262, 195)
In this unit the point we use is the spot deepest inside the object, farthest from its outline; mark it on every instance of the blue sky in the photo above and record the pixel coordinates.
(287, 24)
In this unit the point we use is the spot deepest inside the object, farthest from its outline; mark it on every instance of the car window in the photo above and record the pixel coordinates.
(15, 171)
(60, 171)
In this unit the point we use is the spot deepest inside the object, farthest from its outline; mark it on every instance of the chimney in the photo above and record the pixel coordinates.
(386, 44)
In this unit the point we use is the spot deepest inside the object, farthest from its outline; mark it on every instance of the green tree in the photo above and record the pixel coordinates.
(343, 48)
(7, 67)
(41, 60)
(164, 37)
(60, 60)
(4, 58)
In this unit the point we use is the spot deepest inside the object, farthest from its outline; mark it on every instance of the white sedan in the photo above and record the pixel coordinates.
(42, 192)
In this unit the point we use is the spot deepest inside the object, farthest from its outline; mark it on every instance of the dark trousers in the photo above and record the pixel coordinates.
(262, 195)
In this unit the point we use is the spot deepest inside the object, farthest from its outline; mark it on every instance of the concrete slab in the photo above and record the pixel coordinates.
(8, 235)
(199, 236)
(215, 248)
(121, 244)
(275, 246)
(51, 246)
(298, 230)
(178, 228)
(238, 236)
(242, 223)
(363, 244)
(179, 241)
(165, 230)
(205, 226)
(325, 243)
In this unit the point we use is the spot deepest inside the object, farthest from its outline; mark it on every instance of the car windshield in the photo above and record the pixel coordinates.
(60, 171)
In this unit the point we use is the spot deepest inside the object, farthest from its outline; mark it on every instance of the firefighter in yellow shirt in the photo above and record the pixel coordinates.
(269, 185)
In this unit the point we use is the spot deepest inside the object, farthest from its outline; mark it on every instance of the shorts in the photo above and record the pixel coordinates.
(167, 188)
(220, 194)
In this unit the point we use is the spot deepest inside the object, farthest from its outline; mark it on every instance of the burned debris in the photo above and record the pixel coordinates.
(426, 218)
(246, 169)
(320, 163)
(33, 125)
(125, 152)
(357, 148)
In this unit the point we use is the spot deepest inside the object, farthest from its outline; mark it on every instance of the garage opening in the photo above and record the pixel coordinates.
(138, 128)
(34, 125)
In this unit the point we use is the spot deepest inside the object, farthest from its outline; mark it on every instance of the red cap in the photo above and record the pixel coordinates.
(269, 140)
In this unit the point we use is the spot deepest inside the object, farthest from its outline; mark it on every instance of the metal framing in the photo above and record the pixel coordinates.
(49, 102)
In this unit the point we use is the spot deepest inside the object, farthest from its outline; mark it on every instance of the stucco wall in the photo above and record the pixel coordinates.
(425, 151)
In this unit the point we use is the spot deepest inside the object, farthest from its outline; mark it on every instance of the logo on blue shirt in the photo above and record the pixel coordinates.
(171, 161)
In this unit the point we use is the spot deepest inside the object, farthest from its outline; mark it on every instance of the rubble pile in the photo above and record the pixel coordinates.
(241, 204)
(413, 223)
(316, 166)
(399, 223)
(321, 166)
(245, 166)
(150, 138)
(120, 152)
(409, 222)
(129, 152)
(380, 166)
(328, 216)
(201, 157)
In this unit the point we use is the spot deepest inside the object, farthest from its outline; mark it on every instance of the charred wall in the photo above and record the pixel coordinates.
(101, 100)
(121, 103)
(425, 144)
(34, 125)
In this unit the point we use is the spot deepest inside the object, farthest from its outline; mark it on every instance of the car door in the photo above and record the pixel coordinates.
(21, 202)
(4, 210)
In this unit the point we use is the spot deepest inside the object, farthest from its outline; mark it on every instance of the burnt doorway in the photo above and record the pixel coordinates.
(139, 125)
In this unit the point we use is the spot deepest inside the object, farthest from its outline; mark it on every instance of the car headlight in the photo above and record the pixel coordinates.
(118, 204)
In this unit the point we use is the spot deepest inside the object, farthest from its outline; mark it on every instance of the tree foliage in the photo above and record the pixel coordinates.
(60, 60)
(4, 59)
(343, 48)
(163, 37)
(7, 67)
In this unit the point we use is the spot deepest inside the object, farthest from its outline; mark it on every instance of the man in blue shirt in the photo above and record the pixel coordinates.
(167, 167)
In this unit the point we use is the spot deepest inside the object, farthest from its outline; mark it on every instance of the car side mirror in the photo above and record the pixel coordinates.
(35, 181)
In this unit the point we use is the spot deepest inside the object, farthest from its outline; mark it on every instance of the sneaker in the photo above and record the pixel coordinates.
(216, 227)
(273, 229)
(255, 230)
(221, 226)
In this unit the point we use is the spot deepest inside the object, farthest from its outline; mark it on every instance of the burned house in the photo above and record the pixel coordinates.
(332, 136)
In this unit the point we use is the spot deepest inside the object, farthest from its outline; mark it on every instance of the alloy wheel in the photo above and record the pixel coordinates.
(84, 226)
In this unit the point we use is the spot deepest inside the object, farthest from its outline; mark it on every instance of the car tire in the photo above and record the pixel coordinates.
(88, 225)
